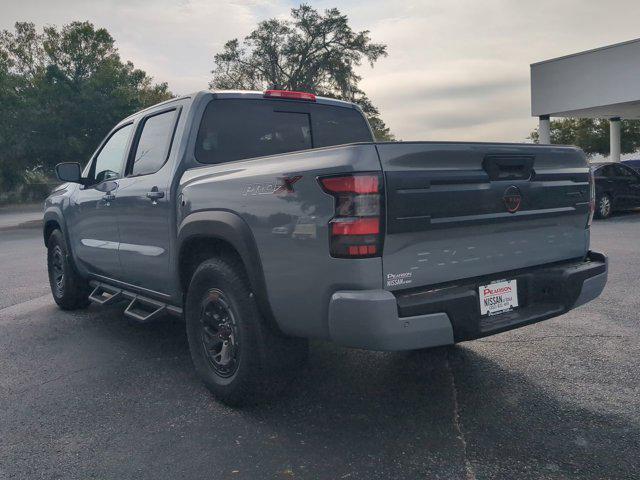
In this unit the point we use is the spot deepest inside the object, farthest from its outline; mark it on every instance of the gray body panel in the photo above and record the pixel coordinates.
(447, 219)
(283, 238)
(94, 232)
(144, 231)
(369, 319)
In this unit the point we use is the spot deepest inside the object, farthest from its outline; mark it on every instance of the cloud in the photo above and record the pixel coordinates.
(456, 70)
(172, 41)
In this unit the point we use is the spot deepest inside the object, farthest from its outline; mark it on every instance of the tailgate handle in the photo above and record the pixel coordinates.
(508, 167)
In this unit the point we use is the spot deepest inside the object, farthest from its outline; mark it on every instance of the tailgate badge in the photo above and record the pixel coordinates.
(512, 199)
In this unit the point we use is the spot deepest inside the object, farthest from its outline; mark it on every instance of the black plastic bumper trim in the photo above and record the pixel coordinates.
(543, 292)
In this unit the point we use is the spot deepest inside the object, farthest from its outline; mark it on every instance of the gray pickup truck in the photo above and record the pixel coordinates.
(268, 218)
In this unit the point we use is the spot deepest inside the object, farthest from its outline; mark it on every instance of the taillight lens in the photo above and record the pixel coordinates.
(356, 230)
(352, 184)
(592, 197)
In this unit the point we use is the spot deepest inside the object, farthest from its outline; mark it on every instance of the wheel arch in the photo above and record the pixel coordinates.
(52, 220)
(206, 233)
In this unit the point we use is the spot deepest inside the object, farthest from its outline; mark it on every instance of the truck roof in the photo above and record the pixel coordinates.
(253, 94)
(259, 95)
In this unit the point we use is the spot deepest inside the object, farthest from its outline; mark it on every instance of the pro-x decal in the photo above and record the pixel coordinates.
(281, 186)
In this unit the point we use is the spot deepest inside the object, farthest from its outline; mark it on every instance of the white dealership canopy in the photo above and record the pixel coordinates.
(599, 83)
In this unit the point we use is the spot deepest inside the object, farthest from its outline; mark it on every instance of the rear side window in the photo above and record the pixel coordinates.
(154, 143)
(337, 126)
(234, 129)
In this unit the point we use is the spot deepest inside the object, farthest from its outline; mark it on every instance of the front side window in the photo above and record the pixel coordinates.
(235, 129)
(154, 143)
(109, 162)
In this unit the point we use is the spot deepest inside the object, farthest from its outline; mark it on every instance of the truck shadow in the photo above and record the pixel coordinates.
(438, 410)
(427, 406)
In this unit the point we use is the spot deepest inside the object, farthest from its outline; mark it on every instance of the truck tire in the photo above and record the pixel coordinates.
(236, 353)
(604, 206)
(70, 291)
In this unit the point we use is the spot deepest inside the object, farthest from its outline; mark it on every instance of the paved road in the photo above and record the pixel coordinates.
(91, 395)
(22, 266)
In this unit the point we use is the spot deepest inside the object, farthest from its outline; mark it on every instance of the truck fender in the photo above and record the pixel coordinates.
(53, 214)
(232, 229)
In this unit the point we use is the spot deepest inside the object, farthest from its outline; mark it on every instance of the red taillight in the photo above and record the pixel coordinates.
(355, 226)
(352, 184)
(362, 250)
(356, 229)
(290, 95)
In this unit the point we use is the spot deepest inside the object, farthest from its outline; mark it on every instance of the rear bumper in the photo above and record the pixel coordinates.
(449, 313)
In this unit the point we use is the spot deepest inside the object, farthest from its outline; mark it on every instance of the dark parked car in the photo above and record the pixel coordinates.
(635, 164)
(617, 188)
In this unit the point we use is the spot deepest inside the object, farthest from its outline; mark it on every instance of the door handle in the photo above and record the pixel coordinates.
(155, 195)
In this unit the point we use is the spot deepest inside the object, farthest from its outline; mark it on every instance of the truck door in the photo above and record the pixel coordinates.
(144, 207)
(91, 216)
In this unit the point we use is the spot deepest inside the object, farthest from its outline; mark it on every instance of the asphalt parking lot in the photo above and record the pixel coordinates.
(91, 395)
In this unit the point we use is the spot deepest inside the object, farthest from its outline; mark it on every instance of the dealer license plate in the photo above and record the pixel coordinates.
(498, 297)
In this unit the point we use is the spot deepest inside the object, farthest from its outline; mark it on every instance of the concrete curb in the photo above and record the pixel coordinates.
(22, 226)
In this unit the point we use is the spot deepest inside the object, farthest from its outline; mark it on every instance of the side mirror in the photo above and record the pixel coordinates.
(69, 172)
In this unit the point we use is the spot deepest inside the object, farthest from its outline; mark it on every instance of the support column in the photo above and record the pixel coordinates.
(615, 139)
(544, 129)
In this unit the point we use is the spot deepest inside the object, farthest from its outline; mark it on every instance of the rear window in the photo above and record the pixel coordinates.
(234, 129)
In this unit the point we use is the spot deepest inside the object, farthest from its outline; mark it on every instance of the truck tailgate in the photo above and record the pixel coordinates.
(456, 210)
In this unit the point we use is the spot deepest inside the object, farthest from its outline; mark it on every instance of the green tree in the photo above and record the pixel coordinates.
(592, 135)
(312, 52)
(62, 90)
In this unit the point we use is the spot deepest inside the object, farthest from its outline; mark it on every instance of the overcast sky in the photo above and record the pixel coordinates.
(456, 70)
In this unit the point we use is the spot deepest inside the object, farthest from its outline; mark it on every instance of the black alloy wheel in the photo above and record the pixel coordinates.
(57, 271)
(220, 338)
